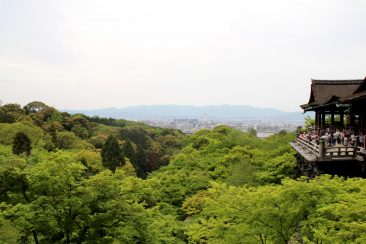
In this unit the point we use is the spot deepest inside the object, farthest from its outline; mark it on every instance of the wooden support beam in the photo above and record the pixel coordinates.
(341, 116)
(316, 119)
(351, 118)
(332, 120)
(320, 119)
(363, 121)
(323, 120)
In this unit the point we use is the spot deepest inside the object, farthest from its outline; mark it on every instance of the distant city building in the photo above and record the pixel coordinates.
(189, 126)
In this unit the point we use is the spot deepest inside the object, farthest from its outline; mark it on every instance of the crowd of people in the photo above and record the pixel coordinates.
(335, 137)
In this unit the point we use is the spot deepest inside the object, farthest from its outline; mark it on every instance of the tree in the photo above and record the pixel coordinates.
(141, 162)
(12, 108)
(309, 122)
(6, 118)
(201, 142)
(76, 120)
(61, 205)
(252, 132)
(111, 153)
(129, 151)
(66, 140)
(11, 112)
(34, 107)
(21, 144)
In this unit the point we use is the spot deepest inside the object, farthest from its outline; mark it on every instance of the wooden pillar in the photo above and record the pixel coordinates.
(316, 119)
(322, 149)
(341, 117)
(363, 122)
(319, 119)
(332, 120)
(351, 118)
(323, 120)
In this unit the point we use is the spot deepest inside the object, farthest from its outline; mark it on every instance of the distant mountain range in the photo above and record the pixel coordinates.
(214, 112)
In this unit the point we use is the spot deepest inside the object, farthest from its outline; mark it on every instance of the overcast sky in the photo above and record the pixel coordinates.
(118, 53)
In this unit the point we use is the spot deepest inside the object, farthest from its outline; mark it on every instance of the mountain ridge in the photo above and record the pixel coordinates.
(171, 111)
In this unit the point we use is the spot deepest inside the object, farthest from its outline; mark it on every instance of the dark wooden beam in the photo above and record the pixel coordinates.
(323, 119)
(351, 117)
(332, 120)
(316, 118)
(341, 117)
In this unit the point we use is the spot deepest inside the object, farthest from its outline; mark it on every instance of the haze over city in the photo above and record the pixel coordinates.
(95, 54)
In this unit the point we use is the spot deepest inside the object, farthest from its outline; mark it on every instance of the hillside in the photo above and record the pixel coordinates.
(53, 130)
(215, 186)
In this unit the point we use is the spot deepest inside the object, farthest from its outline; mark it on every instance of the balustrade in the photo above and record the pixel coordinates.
(323, 152)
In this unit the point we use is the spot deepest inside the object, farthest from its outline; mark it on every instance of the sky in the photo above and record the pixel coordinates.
(84, 54)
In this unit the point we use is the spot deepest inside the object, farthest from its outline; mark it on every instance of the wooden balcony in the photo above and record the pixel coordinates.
(313, 152)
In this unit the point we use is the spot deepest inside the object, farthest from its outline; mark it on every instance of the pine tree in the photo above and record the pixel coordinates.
(129, 151)
(141, 163)
(21, 144)
(112, 156)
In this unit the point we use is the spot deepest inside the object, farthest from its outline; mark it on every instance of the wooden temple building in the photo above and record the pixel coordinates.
(338, 105)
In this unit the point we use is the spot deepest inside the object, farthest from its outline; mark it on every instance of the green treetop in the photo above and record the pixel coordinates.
(111, 153)
(21, 144)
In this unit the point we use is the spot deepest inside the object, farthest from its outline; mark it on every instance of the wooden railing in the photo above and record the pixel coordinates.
(323, 152)
(340, 152)
(314, 148)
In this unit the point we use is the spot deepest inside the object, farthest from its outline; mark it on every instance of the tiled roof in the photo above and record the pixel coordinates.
(324, 92)
(337, 82)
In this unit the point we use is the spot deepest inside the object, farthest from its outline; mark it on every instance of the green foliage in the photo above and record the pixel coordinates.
(134, 134)
(34, 107)
(252, 132)
(215, 186)
(129, 151)
(277, 168)
(225, 155)
(61, 205)
(316, 211)
(54, 130)
(91, 160)
(309, 122)
(67, 140)
(201, 142)
(21, 144)
(10, 113)
(35, 134)
(164, 227)
(6, 117)
(112, 156)
(79, 125)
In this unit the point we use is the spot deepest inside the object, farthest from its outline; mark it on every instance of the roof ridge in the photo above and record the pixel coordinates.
(337, 82)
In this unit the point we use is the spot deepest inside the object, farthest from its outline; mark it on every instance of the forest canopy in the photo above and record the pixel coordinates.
(79, 179)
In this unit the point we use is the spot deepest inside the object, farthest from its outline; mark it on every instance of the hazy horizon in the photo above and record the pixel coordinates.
(214, 112)
(183, 105)
(122, 53)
